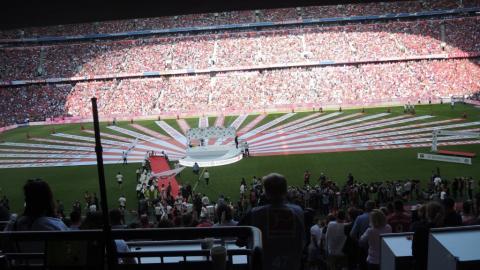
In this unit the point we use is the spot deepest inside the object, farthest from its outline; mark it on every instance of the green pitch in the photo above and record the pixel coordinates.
(69, 183)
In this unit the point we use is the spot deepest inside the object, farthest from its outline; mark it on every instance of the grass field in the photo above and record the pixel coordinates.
(69, 183)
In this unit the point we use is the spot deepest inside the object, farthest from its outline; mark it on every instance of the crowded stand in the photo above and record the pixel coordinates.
(338, 222)
(315, 87)
(238, 17)
(364, 84)
(345, 43)
(33, 103)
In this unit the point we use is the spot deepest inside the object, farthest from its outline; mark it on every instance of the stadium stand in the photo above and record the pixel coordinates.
(358, 64)
(345, 43)
(309, 66)
(360, 85)
(237, 17)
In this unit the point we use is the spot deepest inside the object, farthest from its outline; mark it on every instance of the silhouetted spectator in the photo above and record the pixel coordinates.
(75, 220)
(39, 213)
(452, 218)
(282, 226)
(94, 220)
(434, 218)
(399, 220)
(115, 216)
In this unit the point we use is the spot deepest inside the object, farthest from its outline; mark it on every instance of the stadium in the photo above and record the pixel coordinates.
(342, 122)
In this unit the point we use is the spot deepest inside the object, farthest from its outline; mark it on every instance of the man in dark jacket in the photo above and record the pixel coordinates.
(282, 226)
(452, 218)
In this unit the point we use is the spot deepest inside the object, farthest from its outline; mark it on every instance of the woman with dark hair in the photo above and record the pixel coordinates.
(39, 213)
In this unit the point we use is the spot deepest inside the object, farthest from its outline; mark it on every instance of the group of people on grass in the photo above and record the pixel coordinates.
(346, 236)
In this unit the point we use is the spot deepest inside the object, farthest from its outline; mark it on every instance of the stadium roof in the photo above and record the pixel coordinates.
(17, 14)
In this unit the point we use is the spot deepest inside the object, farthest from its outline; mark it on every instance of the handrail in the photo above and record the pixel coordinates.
(51, 235)
(179, 253)
(189, 233)
(253, 249)
(134, 243)
(455, 229)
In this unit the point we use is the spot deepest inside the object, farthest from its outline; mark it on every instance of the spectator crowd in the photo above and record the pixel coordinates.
(357, 82)
(314, 87)
(340, 224)
(238, 17)
(231, 49)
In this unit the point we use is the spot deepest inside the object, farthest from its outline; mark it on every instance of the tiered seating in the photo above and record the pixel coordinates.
(359, 42)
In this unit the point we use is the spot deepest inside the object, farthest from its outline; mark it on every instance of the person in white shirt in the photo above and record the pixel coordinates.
(92, 208)
(242, 190)
(138, 173)
(205, 200)
(246, 150)
(437, 181)
(139, 189)
(335, 239)
(122, 201)
(314, 249)
(119, 179)
(159, 211)
(443, 194)
(206, 176)
(371, 237)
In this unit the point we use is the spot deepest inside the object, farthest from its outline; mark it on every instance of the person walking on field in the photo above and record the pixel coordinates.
(306, 178)
(246, 151)
(119, 179)
(122, 201)
(206, 176)
(196, 169)
(124, 157)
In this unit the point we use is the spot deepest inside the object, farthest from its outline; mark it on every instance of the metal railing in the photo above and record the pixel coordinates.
(150, 248)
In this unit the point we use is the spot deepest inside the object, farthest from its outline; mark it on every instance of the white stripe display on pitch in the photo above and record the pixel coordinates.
(150, 132)
(287, 129)
(253, 123)
(313, 133)
(353, 128)
(239, 121)
(47, 146)
(91, 139)
(179, 137)
(301, 120)
(303, 142)
(111, 136)
(62, 142)
(146, 138)
(184, 126)
(266, 126)
(287, 136)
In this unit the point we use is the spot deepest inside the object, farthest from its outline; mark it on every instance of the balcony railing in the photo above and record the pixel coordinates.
(176, 248)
